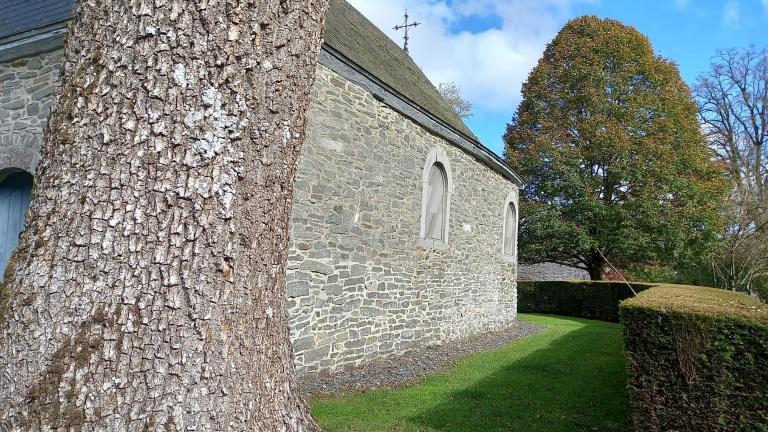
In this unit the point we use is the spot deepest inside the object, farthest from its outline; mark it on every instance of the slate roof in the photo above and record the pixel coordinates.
(354, 36)
(19, 16)
(347, 31)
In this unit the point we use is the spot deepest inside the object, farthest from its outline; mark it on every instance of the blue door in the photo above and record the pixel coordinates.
(14, 200)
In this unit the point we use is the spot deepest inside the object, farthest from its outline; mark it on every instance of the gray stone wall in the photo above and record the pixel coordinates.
(360, 285)
(26, 86)
(551, 271)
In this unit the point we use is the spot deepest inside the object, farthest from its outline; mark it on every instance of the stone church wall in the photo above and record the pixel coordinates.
(360, 285)
(26, 86)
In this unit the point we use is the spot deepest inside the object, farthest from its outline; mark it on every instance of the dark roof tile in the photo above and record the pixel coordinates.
(19, 16)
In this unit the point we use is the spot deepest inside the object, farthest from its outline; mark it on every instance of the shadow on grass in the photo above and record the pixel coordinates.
(577, 382)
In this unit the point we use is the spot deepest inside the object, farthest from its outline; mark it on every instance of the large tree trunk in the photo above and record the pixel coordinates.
(596, 266)
(148, 291)
(596, 272)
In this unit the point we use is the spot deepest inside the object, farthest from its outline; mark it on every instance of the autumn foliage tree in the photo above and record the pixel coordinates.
(616, 165)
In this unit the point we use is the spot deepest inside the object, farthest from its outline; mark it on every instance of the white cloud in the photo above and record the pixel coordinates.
(489, 65)
(731, 14)
(683, 4)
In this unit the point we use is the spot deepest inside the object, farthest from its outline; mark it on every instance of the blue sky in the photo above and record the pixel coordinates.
(488, 47)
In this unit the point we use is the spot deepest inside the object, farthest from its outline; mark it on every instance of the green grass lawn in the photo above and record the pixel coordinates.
(569, 378)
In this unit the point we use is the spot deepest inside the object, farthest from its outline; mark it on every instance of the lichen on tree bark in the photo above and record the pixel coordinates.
(149, 287)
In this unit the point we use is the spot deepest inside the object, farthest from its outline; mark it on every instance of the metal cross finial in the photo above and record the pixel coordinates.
(405, 26)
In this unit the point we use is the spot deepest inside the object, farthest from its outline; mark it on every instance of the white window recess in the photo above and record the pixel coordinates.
(509, 231)
(436, 200)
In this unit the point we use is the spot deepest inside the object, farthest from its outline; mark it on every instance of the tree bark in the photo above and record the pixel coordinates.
(148, 290)
(595, 266)
(596, 272)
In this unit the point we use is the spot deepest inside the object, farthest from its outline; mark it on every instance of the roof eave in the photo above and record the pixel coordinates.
(33, 42)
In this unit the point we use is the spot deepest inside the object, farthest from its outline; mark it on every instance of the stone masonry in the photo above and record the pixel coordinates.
(360, 285)
(550, 271)
(26, 86)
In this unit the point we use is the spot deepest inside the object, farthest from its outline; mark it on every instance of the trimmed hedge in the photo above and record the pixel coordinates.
(581, 299)
(697, 360)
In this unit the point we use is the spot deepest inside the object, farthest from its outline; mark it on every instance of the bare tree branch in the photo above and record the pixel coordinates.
(451, 92)
(733, 109)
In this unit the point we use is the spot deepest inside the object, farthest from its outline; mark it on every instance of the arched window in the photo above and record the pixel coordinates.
(436, 203)
(15, 191)
(436, 199)
(509, 246)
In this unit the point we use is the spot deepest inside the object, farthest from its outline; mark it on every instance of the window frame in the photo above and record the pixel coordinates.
(512, 200)
(436, 156)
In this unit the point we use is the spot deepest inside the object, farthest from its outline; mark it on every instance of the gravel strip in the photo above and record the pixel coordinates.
(398, 371)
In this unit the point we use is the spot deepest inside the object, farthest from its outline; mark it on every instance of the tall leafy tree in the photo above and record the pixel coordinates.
(148, 287)
(616, 165)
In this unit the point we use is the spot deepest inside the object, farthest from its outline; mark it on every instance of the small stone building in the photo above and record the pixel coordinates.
(403, 227)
